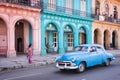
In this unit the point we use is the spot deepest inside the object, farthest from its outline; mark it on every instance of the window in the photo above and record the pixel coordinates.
(51, 4)
(55, 39)
(68, 6)
(83, 7)
(35, 3)
(115, 13)
(106, 10)
(97, 8)
(25, 2)
(70, 39)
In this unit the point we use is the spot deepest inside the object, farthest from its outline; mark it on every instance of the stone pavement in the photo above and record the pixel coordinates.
(22, 62)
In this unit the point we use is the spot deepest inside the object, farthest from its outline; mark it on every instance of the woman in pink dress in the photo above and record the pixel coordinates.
(30, 53)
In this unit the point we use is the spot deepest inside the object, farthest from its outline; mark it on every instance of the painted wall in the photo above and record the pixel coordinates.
(11, 14)
(60, 23)
(62, 20)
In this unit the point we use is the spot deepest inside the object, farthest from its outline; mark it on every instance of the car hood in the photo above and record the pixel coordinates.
(71, 55)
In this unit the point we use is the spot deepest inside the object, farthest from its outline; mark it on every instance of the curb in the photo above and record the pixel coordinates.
(20, 66)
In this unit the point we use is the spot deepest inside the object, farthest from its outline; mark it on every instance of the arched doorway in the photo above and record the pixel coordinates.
(114, 39)
(3, 37)
(82, 35)
(23, 36)
(51, 38)
(68, 38)
(107, 39)
(97, 36)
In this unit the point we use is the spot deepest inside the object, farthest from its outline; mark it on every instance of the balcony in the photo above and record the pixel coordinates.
(107, 19)
(30, 3)
(53, 8)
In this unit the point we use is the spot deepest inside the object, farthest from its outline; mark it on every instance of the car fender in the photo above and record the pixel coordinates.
(80, 60)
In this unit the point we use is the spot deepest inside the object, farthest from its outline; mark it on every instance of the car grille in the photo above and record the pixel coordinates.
(64, 63)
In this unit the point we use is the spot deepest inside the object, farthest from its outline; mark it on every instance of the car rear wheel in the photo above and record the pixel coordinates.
(107, 63)
(81, 68)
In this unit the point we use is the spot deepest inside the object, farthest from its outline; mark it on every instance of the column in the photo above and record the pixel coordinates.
(89, 7)
(76, 6)
(118, 37)
(89, 35)
(36, 39)
(60, 41)
(43, 47)
(11, 41)
(76, 37)
(102, 38)
(93, 6)
(110, 42)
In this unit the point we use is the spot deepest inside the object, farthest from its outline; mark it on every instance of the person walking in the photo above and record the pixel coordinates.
(29, 53)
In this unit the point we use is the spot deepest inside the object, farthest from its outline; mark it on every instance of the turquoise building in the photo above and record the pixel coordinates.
(65, 24)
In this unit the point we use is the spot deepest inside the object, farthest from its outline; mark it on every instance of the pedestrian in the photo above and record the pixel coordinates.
(47, 47)
(29, 53)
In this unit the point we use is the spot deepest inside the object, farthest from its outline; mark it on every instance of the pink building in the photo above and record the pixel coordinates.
(19, 26)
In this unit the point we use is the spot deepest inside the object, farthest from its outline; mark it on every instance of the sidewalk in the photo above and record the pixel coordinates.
(22, 62)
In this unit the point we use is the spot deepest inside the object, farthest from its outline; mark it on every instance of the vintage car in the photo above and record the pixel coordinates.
(84, 56)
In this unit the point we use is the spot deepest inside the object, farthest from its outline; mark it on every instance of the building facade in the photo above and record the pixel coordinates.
(106, 27)
(65, 24)
(57, 25)
(19, 27)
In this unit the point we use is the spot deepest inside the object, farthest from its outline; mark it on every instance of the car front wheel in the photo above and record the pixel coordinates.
(81, 68)
(107, 63)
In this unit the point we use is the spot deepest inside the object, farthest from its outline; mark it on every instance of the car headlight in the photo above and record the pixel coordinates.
(73, 59)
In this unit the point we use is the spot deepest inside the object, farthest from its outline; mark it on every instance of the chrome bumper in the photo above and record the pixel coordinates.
(66, 65)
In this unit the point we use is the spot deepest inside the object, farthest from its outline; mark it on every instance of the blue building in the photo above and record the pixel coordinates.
(65, 24)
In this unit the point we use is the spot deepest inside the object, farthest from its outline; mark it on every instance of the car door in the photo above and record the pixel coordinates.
(101, 53)
(95, 57)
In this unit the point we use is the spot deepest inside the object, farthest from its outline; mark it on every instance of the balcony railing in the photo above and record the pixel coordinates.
(64, 10)
(30, 3)
(107, 19)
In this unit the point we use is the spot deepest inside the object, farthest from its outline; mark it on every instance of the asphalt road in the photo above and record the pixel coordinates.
(50, 72)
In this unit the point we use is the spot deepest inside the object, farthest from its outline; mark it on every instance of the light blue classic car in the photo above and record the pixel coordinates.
(85, 55)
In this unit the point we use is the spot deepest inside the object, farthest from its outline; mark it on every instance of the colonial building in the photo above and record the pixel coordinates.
(106, 27)
(65, 24)
(19, 26)
(57, 25)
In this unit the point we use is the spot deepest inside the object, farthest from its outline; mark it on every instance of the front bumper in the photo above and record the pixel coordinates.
(66, 65)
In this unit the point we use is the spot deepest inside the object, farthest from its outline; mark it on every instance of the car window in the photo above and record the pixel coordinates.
(99, 49)
(92, 49)
(81, 48)
(77, 48)
(84, 48)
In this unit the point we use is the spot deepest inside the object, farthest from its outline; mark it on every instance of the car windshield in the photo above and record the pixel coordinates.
(81, 48)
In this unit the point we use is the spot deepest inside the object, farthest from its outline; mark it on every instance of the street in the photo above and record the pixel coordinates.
(50, 72)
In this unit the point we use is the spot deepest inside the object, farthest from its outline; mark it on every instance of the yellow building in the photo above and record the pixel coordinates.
(106, 27)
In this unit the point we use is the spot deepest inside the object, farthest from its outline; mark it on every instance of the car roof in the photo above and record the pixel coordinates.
(90, 45)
